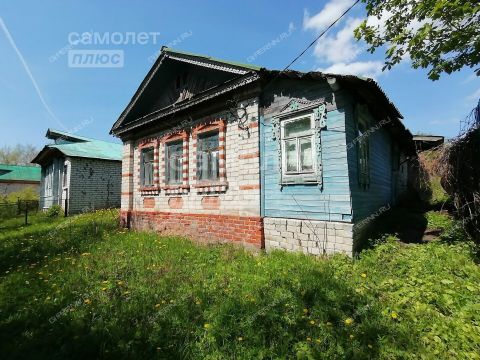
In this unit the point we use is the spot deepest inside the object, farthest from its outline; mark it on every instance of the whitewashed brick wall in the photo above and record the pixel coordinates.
(242, 197)
(93, 184)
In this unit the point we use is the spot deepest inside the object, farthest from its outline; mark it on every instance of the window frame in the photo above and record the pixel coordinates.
(363, 143)
(181, 156)
(310, 134)
(143, 151)
(200, 137)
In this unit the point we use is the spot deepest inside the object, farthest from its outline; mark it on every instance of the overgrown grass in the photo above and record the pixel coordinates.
(88, 290)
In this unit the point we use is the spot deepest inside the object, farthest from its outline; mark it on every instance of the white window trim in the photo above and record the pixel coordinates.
(298, 173)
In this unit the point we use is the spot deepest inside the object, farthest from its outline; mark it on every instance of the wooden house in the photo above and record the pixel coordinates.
(222, 151)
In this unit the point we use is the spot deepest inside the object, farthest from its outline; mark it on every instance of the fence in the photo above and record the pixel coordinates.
(18, 208)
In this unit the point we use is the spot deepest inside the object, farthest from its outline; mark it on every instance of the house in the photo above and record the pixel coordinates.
(14, 178)
(221, 151)
(79, 173)
(427, 142)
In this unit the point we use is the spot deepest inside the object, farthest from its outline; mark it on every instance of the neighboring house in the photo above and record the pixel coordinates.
(79, 173)
(221, 151)
(15, 178)
(427, 142)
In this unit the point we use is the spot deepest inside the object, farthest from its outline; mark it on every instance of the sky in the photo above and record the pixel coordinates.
(40, 89)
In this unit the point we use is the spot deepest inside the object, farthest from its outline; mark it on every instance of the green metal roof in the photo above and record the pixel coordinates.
(19, 173)
(95, 149)
(78, 146)
(233, 63)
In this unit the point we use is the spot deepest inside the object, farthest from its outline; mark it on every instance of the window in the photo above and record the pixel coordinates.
(207, 157)
(297, 145)
(363, 150)
(146, 167)
(174, 162)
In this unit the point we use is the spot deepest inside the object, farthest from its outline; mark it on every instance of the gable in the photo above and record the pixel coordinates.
(177, 77)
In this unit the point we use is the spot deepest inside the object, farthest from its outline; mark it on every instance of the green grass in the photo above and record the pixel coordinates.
(80, 288)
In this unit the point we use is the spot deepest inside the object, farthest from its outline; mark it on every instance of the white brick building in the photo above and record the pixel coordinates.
(79, 173)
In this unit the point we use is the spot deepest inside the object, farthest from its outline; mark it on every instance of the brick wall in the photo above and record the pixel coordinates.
(223, 211)
(243, 230)
(93, 184)
(308, 236)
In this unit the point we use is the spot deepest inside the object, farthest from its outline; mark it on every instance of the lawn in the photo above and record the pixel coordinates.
(81, 288)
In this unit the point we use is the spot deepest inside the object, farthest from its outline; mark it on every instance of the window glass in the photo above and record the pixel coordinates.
(297, 127)
(291, 154)
(207, 157)
(306, 159)
(147, 167)
(174, 162)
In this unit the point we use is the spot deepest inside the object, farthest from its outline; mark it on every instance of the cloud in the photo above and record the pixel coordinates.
(324, 18)
(371, 69)
(474, 96)
(340, 47)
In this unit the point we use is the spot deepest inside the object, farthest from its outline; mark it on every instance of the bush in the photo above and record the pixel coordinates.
(54, 211)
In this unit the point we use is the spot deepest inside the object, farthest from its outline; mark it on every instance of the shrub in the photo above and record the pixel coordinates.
(54, 211)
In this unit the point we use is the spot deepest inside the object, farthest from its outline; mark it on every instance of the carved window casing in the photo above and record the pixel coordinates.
(297, 131)
(148, 167)
(206, 152)
(178, 185)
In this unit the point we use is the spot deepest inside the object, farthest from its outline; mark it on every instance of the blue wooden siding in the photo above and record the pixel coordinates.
(308, 201)
(368, 201)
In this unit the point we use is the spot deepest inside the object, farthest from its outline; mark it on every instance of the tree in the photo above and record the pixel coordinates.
(18, 154)
(441, 35)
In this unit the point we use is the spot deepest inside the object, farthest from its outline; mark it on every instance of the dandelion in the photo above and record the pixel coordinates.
(240, 338)
(157, 305)
(348, 321)
(104, 288)
(305, 310)
(207, 326)
(351, 336)
(309, 339)
(363, 275)
(198, 302)
(312, 322)
(87, 301)
(318, 341)
(394, 315)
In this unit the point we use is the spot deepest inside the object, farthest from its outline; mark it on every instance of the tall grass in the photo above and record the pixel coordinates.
(94, 291)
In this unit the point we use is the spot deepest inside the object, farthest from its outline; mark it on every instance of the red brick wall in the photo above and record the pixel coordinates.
(244, 230)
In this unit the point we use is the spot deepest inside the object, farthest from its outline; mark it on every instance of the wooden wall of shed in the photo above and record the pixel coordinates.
(306, 201)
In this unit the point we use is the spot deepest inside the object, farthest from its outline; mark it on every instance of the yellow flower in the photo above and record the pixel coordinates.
(104, 288)
(198, 302)
(363, 275)
(309, 339)
(318, 341)
(348, 321)
(351, 336)
(394, 315)
(207, 326)
(157, 305)
(312, 322)
(240, 338)
(329, 323)
(105, 282)
(305, 310)
(87, 301)
(120, 283)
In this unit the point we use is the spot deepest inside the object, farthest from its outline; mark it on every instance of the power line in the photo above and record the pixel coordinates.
(321, 34)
